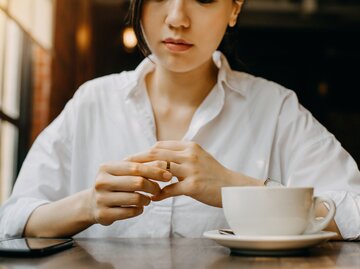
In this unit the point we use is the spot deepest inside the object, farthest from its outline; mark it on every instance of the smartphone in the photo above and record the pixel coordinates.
(33, 247)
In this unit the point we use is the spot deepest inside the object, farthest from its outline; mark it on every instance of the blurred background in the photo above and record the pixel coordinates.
(48, 48)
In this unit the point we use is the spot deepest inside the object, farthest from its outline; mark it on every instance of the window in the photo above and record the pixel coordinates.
(11, 48)
(16, 44)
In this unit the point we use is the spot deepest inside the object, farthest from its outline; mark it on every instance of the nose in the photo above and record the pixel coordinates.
(177, 16)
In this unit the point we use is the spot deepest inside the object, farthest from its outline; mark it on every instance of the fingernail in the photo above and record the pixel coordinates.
(167, 175)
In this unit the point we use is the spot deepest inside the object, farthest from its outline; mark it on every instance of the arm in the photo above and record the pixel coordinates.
(200, 175)
(62, 218)
(311, 156)
(114, 197)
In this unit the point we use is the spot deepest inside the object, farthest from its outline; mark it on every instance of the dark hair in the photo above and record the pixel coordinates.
(135, 10)
(228, 46)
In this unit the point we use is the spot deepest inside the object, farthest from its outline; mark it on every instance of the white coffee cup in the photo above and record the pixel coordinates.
(268, 211)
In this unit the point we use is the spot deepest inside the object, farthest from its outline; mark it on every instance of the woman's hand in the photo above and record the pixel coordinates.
(200, 175)
(116, 196)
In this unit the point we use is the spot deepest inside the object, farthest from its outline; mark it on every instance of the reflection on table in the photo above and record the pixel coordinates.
(111, 253)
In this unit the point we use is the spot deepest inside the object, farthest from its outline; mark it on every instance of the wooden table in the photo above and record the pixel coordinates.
(180, 253)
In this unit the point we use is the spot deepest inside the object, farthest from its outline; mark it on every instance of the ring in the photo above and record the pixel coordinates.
(168, 166)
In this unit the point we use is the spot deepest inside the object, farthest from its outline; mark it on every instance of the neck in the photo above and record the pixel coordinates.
(184, 89)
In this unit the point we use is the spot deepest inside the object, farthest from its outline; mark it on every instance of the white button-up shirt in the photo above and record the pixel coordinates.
(248, 124)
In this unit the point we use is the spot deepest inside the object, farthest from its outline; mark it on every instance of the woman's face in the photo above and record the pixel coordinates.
(183, 34)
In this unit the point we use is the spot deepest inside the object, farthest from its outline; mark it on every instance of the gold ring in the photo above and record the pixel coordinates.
(168, 166)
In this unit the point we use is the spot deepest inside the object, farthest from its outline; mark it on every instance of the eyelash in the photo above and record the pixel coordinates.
(206, 1)
(203, 2)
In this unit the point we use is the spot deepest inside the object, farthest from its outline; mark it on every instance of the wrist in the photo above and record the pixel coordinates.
(85, 209)
(239, 179)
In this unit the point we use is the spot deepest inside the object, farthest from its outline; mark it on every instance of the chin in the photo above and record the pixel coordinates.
(179, 63)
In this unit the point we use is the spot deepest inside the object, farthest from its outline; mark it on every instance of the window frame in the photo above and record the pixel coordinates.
(22, 122)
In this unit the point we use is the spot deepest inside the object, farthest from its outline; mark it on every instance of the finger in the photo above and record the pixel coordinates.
(155, 154)
(136, 169)
(159, 164)
(116, 199)
(176, 170)
(109, 215)
(171, 190)
(127, 184)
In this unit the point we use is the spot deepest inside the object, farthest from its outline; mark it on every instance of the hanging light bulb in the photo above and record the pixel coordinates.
(129, 38)
(83, 36)
(309, 6)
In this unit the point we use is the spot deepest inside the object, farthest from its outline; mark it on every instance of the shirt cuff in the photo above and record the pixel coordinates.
(18, 215)
(347, 216)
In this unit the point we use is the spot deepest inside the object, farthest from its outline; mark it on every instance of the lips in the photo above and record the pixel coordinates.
(177, 45)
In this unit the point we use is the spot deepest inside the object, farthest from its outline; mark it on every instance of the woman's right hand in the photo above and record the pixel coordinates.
(115, 195)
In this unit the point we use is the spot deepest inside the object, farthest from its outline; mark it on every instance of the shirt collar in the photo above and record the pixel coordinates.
(226, 76)
(137, 77)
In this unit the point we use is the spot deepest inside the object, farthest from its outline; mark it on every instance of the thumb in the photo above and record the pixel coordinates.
(171, 190)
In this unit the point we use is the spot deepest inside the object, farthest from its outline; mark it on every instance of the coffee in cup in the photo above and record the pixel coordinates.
(271, 211)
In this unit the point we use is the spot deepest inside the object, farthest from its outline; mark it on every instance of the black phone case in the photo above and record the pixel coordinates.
(37, 252)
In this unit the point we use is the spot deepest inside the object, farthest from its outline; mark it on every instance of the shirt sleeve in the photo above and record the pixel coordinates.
(312, 156)
(44, 174)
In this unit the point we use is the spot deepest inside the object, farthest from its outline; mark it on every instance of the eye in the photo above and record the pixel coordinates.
(206, 1)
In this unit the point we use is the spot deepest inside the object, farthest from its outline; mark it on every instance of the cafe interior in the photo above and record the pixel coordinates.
(48, 48)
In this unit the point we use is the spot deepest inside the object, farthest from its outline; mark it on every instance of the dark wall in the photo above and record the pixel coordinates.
(73, 61)
(108, 23)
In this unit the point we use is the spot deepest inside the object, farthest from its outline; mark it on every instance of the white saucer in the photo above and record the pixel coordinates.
(269, 245)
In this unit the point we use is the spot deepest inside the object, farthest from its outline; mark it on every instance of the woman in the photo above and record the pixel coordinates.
(146, 152)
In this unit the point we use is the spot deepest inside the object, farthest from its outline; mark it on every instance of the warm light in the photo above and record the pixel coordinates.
(129, 38)
(323, 89)
(83, 38)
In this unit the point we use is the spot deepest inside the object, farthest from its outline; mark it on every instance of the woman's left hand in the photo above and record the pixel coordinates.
(200, 175)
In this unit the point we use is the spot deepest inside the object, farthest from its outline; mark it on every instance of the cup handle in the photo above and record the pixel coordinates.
(318, 224)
